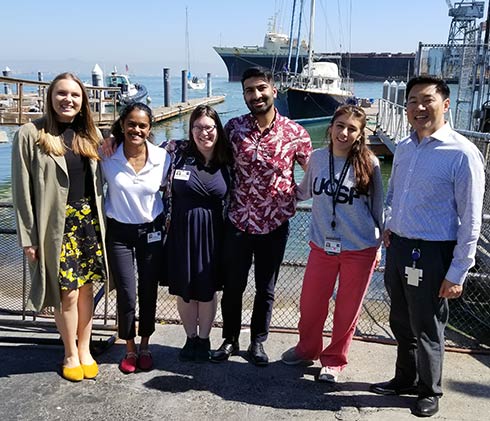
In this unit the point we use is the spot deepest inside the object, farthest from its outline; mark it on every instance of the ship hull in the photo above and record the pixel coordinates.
(359, 66)
(299, 104)
(237, 63)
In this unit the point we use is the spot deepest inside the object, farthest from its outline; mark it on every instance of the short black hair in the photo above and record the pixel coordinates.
(260, 72)
(441, 85)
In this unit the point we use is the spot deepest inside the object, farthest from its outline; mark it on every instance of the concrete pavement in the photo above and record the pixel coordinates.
(32, 389)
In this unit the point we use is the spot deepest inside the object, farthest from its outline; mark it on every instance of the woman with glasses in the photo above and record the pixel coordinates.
(198, 184)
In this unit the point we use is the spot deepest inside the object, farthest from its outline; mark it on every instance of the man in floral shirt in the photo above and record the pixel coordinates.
(263, 198)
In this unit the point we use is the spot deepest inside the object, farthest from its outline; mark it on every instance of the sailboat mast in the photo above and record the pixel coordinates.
(187, 46)
(310, 41)
(290, 50)
(299, 36)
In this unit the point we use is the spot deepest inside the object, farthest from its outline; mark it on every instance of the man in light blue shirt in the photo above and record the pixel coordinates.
(433, 218)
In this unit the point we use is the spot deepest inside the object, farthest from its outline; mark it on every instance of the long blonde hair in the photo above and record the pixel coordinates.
(86, 140)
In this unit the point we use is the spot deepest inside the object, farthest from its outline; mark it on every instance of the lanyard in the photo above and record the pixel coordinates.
(415, 256)
(336, 193)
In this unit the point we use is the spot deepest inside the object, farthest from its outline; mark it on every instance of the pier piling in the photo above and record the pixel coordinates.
(184, 85)
(209, 90)
(166, 87)
(6, 86)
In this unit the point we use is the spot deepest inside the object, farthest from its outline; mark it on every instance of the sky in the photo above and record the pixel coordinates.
(53, 36)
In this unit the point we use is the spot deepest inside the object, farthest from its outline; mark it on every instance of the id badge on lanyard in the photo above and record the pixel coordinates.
(413, 274)
(183, 175)
(154, 236)
(333, 244)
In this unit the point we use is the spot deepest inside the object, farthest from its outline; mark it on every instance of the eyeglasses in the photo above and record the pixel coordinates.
(206, 129)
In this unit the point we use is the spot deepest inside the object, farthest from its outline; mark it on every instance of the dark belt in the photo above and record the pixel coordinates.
(419, 241)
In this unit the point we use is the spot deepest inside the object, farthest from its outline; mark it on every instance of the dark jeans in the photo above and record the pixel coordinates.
(418, 316)
(125, 243)
(267, 251)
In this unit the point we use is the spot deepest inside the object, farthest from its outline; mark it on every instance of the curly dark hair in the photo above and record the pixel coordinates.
(116, 128)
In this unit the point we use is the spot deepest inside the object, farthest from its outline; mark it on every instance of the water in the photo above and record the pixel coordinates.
(177, 128)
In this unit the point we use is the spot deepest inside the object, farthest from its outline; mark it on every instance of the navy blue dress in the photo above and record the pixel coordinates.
(195, 235)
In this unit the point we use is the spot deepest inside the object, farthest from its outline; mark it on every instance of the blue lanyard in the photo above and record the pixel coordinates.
(415, 256)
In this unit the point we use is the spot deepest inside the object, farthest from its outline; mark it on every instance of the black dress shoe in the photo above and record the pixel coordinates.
(226, 349)
(393, 387)
(257, 354)
(426, 407)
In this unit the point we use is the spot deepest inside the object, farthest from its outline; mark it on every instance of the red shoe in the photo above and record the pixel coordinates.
(145, 360)
(128, 363)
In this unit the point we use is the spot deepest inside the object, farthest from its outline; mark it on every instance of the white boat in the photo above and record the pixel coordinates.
(193, 82)
(317, 91)
(130, 92)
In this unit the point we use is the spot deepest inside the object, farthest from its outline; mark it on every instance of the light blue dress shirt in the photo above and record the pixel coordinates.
(435, 193)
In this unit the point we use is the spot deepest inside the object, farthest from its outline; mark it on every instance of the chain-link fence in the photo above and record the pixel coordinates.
(470, 315)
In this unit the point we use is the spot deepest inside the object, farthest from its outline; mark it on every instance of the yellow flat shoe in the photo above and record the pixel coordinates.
(74, 374)
(90, 371)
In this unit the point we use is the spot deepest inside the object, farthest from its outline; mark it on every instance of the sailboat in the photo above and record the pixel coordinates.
(317, 91)
(193, 82)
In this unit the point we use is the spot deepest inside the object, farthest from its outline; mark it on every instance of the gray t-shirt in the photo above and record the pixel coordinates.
(359, 218)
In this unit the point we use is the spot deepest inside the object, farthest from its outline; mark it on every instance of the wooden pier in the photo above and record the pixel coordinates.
(19, 107)
(164, 113)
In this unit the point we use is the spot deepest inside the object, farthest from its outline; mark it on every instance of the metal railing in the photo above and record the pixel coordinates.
(22, 100)
(314, 83)
(392, 122)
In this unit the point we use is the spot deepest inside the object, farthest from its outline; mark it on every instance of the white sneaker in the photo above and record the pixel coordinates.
(291, 358)
(328, 374)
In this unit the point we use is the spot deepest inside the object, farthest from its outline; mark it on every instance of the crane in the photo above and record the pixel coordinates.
(461, 55)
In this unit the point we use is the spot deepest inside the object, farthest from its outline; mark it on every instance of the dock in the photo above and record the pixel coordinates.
(19, 106)
(164, 113)
(375, 142)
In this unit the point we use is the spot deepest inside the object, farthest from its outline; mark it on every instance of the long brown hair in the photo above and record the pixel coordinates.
(86, 140)
(360, 156)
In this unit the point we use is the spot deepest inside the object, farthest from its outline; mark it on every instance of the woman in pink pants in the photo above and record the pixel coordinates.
(344, 180)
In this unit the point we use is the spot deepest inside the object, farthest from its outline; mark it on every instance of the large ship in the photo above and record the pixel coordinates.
(274, 54)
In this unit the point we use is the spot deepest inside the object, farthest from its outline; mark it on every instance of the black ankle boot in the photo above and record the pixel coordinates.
(188, 352)
(203, 346)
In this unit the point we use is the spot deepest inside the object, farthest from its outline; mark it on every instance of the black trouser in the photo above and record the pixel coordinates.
(267, 251)
(418, 316)
(125, 242)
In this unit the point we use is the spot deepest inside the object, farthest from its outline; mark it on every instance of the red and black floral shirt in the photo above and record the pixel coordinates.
(263, 196)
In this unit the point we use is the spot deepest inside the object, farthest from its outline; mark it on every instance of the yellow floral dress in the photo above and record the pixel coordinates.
(81, 260)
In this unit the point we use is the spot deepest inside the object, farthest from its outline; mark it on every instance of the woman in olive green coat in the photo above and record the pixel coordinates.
(57, 194)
